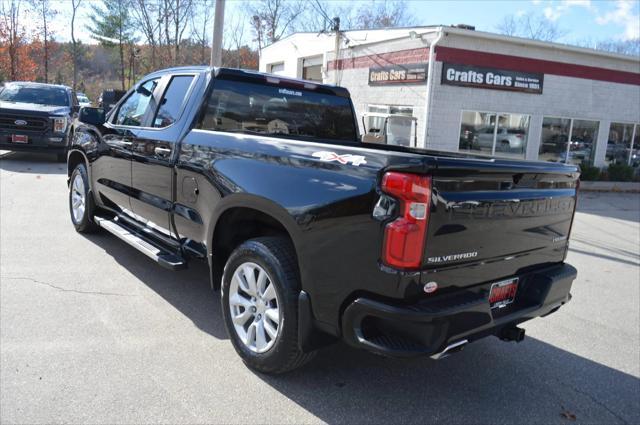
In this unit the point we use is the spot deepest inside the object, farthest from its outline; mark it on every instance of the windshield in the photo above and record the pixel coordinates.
(41, 95)
(278, 111)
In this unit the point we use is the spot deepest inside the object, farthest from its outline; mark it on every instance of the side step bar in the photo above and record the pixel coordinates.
(162, 256)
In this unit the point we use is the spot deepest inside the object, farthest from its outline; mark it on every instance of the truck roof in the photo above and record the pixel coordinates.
(263, 77)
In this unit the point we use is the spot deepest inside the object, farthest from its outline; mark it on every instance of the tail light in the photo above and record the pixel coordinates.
(405, 237)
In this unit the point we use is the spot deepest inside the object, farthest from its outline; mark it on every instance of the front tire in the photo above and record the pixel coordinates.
(260, 289)
(81, 205)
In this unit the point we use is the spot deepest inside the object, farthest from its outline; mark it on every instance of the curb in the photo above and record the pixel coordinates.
(618, 187)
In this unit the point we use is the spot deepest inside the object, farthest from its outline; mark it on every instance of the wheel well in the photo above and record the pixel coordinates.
(237, 225)
(75, 158)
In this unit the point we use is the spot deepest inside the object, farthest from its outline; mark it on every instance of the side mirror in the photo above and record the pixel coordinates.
(92, 116)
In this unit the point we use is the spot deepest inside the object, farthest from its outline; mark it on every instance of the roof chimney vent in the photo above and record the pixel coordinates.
(466, 27)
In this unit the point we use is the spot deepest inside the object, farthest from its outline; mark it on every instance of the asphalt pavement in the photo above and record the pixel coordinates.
(91, 331)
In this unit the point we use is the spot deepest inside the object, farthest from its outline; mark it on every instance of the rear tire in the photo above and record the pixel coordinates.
(261, 280)
(81, 206)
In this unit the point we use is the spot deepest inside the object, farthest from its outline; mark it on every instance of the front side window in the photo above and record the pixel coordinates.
(488, 133)
(172, 101)
(133, 109)
(272, 110)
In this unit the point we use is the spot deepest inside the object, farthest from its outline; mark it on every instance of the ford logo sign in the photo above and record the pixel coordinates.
(20, 122)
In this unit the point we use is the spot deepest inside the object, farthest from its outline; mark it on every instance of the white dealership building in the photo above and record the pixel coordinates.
(476, 91)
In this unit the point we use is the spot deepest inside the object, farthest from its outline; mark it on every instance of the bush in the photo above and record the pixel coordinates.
(620, 173)
(589, 172)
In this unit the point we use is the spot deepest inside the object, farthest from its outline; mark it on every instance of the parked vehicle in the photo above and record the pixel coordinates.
(109, 98)
(83, 99)
(391, 129)
(312, 235)
(507, 139)
(36, 117)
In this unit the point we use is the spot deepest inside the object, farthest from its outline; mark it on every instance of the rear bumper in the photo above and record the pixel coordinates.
(428, 327)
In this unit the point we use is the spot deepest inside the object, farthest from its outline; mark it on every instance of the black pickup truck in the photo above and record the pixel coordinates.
(312, 235)
(37, 117)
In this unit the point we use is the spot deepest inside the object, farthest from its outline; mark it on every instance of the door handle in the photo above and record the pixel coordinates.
(162, 151)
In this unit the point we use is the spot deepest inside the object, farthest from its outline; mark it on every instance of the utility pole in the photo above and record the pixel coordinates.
(336, 49)
(216, 42)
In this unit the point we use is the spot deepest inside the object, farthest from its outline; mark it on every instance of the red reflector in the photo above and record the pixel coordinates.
(405, 237)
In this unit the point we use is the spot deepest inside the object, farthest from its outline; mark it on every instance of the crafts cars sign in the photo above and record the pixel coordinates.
(491, 78)
(398, 74)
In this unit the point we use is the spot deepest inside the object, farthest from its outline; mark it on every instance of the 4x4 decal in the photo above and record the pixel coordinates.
(342, 159)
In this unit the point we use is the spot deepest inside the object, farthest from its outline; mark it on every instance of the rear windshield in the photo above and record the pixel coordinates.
(41, 95)
(278, 111)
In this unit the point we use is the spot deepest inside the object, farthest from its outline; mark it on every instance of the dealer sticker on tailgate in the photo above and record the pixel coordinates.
(503, 293)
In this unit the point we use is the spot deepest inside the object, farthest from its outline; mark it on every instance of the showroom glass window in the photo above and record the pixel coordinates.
(568, 140)
(583, 142)
(399, 131)
(489, 133)
(634, 156)
(620, 146)
(554, 138)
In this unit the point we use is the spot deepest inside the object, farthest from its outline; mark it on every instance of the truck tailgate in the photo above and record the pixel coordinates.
(491, 210)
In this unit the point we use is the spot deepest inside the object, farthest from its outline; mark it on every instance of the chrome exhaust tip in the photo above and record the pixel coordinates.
(451, 348)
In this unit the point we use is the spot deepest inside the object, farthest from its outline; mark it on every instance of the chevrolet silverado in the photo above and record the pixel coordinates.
(312, 235)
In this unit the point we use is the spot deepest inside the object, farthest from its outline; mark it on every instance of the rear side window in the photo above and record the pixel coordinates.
(272, 110)
(172, 101)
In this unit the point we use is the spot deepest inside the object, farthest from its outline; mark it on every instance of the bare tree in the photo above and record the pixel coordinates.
(271, 19)
(144, 16)
(46, 12)
(10, 11)
(75, 5)
(383, 14)
(200, 26)
(530, 25)
(179, 14)
(235, 38)
(623, 47)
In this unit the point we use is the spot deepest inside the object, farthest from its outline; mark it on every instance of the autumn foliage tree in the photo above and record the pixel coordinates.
(16, 58)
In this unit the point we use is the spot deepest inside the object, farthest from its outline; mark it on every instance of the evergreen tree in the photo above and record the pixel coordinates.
(112, 26)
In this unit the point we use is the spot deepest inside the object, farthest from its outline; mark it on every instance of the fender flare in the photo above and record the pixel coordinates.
(257, 203)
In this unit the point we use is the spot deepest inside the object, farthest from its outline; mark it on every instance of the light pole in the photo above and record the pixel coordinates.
(216, 42)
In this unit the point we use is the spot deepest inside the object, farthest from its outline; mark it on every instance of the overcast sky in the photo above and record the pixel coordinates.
(581, 20)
